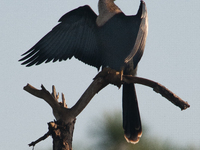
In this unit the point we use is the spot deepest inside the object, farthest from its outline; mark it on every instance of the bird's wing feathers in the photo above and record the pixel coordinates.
(139, 45)
(73, 36)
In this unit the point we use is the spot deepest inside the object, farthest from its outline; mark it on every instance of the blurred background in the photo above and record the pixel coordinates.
(171, 58)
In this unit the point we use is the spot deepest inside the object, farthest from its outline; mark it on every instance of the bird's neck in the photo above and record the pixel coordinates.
(107, 9)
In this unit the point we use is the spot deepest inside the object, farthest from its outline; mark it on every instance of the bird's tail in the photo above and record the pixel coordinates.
(131, 116)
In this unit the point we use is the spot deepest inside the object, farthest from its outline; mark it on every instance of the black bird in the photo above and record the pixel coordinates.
(111, 39)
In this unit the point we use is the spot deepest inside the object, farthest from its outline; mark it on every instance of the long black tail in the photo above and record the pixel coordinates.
(131, 116)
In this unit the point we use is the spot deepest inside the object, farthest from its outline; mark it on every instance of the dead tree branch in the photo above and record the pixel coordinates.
(157, 87)
(66, 116)
(40, 139)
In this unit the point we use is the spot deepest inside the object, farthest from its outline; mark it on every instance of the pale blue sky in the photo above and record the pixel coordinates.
(171, 57)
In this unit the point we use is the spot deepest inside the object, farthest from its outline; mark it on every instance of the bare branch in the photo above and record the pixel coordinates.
(157, 87)
(64, 101)
(40, 139)
(103, 78)
(44, 94)
(54, 94)
(59, 111)
(67, 116)
(94, 88)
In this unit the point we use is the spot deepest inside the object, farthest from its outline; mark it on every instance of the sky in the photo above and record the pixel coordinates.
(171, 58)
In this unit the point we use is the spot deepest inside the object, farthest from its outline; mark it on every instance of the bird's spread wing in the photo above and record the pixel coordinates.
(73, 36)
(139, 45)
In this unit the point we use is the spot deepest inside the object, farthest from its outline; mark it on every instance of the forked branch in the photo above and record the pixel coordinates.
(105, 77)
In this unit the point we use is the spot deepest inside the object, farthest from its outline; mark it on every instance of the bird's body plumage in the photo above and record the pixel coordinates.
(110, 39)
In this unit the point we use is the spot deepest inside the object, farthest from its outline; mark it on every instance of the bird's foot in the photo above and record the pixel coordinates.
(111, 75)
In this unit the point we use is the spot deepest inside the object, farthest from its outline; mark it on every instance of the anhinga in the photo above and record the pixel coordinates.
(111, 39)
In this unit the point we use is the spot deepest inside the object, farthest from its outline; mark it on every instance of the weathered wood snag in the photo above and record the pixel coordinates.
(62, 129)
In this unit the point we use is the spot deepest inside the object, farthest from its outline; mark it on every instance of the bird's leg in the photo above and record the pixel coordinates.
(121, 74)
(111, 76)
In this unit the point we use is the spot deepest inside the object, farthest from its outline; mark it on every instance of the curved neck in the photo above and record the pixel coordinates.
(107, 9)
